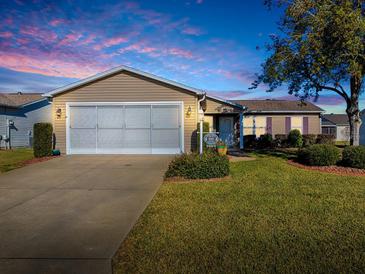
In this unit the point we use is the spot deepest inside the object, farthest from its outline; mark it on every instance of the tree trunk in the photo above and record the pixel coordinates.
(353, 111)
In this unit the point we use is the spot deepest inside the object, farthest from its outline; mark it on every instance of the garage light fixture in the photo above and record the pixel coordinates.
(59, 113)
(188, 112)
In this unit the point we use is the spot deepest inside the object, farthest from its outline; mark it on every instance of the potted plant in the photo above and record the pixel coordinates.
(221, 147)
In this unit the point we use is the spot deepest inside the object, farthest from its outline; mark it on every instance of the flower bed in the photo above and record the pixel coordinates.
(339, 170)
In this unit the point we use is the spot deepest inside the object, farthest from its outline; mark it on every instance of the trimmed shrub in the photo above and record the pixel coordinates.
(195, 166)
(309, 139)
(42, 139)
(354, 156)
(265, 141)
(325, 139)
(295, 138)
(250, 141)
(319, 155)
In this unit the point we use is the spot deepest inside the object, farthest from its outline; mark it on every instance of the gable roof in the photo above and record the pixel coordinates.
(16, 100)
(119, 69)
(335, 119)
(278, 106)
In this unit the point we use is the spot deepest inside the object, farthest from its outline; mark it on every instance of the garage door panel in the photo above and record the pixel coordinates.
(168, 138)
(110, 138)
(83, 117)
(110, 117)
(138, 117)
(137, 138)
(83, 139)
(165, 117)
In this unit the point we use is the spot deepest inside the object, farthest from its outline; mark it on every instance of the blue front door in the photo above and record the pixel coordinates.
(226, 130)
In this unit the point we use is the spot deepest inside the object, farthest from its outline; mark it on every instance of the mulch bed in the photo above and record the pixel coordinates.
(183, 180)
(38, 160)
(339, 170)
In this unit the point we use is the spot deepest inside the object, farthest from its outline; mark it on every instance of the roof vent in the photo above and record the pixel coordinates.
(19, 93)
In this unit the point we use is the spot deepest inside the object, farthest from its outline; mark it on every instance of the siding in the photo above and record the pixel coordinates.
(24, 119)
(278, 122)
(126, 87)
(216, 107)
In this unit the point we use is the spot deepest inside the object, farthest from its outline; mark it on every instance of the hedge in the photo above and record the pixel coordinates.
(309, 139)
(42, 139)
(319, 155)
(326, 139)
(195, 166)
(354, 156)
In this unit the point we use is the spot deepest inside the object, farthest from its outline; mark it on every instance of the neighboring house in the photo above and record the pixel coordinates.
(280, 116)
(127, 111)
(18, 113)
(336, 125)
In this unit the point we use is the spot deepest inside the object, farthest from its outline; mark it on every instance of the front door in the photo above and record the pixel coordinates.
(226, 130)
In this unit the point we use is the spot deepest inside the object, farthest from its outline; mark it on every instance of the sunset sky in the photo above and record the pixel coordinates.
(213, 45)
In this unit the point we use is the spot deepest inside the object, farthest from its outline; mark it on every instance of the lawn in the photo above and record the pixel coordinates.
(268, 217)
(11, 159)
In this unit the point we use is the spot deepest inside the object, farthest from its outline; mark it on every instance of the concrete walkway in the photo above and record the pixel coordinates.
(70, 215)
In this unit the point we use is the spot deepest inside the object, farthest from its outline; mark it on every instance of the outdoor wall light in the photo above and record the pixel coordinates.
(59, 113)
(188, 112)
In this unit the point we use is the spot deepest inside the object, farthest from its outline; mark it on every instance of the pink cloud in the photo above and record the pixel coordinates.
(90, 39)
(111, 42)
(70, 38)
(192, 31)
(6, 34)
(44, 35)
(56, 22)
(47, 65)
(181, 53)
(229, 94)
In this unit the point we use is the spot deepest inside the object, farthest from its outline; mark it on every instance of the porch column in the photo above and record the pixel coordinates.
(241, 131)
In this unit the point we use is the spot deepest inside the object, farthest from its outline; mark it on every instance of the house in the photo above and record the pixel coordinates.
(279, 117)
(18, 113)
(336, 125)
(127, 111)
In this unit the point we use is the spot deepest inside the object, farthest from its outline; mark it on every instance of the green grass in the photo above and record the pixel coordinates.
(269, 217)
(11, 159)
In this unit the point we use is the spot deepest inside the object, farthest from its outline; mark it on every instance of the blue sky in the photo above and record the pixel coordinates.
(213, 45)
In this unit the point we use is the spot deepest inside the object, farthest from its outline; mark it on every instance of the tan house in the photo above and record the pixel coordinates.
(127, 111)
(279, 117)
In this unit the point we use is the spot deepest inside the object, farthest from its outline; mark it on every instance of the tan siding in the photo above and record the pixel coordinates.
(125, 87)
(219, 107)
(278, 122)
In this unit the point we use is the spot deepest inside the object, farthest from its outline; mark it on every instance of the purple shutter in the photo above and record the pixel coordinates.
(269, 125)
(287, 124)
(305, 125)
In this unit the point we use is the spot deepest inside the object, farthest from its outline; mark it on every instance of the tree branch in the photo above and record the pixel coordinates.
(339, 92)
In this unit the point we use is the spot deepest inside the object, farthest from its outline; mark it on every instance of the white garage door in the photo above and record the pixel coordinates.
(124, 129)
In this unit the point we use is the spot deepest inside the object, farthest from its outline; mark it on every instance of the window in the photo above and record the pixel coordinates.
(260, 125)
(297, 123)
(254, 125)
(248, 123)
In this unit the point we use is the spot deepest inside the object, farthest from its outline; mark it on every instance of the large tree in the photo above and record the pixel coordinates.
(320, 46)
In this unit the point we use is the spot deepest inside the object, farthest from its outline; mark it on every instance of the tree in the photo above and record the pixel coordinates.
(321, 47)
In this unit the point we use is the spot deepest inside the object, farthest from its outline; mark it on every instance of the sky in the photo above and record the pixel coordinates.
(214, 45)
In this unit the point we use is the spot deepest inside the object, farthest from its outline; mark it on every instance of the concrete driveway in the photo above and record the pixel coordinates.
(70, 215)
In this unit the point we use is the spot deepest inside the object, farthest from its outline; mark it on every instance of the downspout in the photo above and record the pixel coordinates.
(201, 120)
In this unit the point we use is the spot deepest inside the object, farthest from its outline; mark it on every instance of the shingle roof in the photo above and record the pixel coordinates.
(336, 119)
(278, 106)
(19, 99)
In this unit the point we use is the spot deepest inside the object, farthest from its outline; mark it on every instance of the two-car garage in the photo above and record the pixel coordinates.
(124, 128)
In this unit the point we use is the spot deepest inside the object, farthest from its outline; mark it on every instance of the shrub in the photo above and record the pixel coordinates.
(266, 141)
(309, 139)
(319, 155)
(42, 139)
(354, 157)
(295, 138)
(325, 139)
(281, 140)
(250, 141)
(195, 166)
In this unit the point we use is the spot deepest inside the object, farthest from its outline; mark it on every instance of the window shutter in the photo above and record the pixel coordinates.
(305, 125)
(287, 124)
(269, 125)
